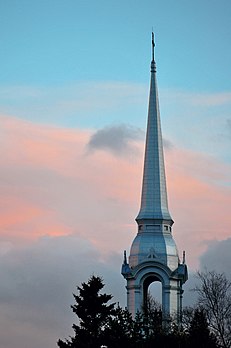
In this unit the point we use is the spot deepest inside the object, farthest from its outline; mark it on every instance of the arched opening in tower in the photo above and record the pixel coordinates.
(155, 292)
(152, 295)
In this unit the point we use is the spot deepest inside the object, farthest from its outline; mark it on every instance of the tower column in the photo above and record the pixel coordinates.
(134, 298)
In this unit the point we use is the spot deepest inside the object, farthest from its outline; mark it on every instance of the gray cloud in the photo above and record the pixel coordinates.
(37, 283)
(116, 139)
(168, 145)
(217, 257)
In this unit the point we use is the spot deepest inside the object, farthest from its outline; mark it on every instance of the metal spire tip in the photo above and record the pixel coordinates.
(153, 45)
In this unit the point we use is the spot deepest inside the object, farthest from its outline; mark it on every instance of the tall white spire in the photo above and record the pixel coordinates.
(154, 203)
(153, 254)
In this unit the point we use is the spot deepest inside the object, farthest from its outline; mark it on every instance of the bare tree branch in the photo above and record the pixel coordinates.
(214, 295)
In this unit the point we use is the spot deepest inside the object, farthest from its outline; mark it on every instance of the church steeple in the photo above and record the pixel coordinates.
(154, 203)
(153, 254)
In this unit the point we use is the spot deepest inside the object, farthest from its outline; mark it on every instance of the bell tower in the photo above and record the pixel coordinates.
(153, 254)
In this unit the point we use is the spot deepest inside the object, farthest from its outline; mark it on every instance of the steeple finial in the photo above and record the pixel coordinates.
(153, 45)
(153, 63)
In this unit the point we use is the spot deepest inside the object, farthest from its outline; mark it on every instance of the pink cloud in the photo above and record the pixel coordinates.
(200, 199)
(50, 185)
(44, 146)
(49, 173)
(22, 221)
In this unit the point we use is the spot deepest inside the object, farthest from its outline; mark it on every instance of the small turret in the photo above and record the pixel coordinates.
(125, 271)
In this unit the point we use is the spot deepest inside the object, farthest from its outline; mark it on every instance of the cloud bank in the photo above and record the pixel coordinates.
(67, 212)
(37, 286)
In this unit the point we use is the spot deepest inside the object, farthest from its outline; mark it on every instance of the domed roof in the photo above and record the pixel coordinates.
(158, 247)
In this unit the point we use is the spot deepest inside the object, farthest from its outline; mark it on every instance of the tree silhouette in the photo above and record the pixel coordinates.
(214, 293)
(119, 330)
(152, 318)
(199, 333)
(93, 310)
(100, 323)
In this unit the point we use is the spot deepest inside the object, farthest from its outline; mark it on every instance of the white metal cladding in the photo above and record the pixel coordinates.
(154, 203)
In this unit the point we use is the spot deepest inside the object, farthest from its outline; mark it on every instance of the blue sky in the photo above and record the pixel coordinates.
(57, 42)
(56, 52)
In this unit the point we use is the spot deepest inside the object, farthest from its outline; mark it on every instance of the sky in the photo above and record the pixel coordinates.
(73, 108)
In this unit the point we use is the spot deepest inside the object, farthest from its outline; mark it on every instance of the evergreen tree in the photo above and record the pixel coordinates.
(119, 330)
(199, 333)
(93, 311)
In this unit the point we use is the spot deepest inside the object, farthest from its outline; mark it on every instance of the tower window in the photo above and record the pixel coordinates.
(153, 227)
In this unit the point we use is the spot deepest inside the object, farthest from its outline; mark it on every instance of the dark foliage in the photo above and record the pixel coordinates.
(119, 329)
(199, 333)
(93, 311)
(103, 324)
